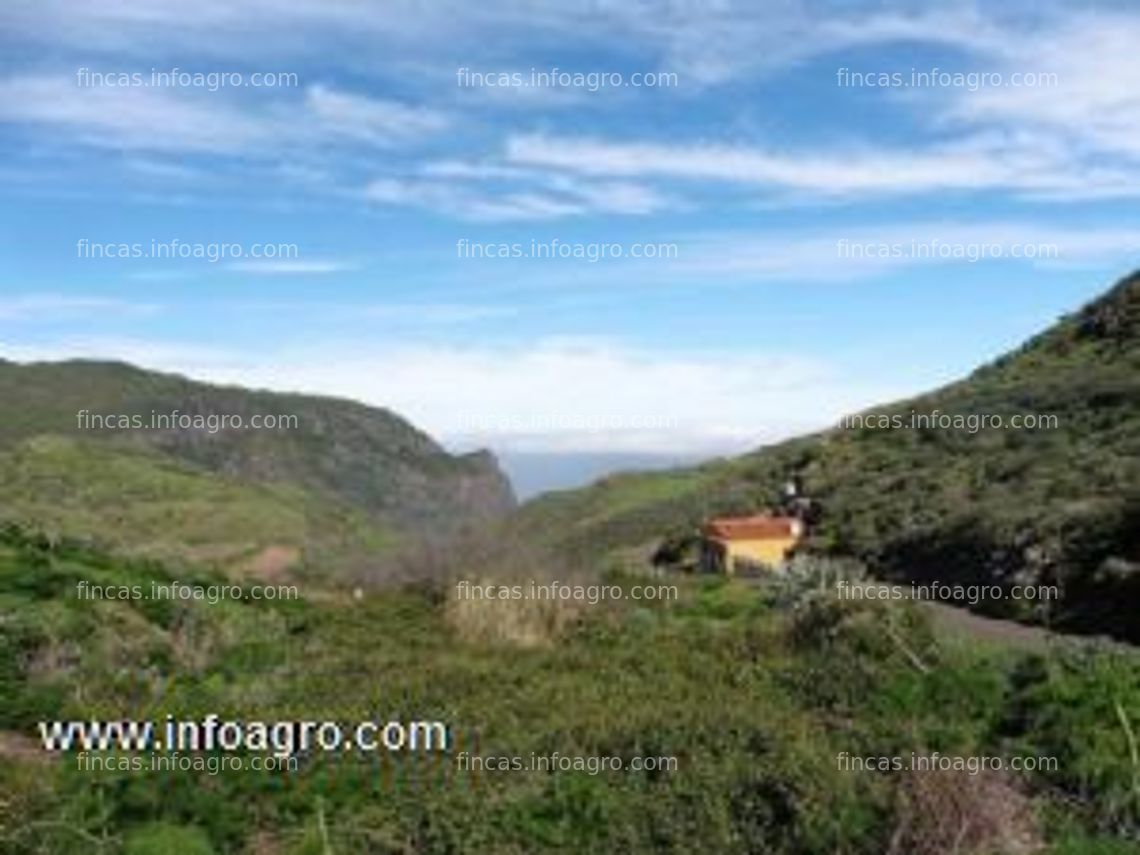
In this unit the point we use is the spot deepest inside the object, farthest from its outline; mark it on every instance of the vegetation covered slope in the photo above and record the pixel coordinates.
(335, 450)
(1046, 506)
(757, 702)
(141, 503)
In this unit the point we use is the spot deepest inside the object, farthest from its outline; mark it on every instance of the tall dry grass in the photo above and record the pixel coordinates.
(951, 812)
(494, 557)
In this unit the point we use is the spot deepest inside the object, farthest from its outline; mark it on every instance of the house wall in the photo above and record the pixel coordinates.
(770, 551)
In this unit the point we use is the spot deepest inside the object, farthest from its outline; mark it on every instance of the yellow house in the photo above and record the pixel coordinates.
(732, 544)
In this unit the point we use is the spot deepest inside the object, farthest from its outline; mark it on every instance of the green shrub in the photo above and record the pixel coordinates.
(160, 838)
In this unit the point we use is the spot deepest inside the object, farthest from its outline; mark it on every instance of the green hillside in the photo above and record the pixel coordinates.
(1046, 506)
(145, 504)
(333, 492)
(342, 450)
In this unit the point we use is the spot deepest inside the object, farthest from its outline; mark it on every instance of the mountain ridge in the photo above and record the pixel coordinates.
(362, 461)
(1048, 506)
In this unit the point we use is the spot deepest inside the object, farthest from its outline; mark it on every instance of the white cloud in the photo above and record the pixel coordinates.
(197, 360)
(1078, 141)
(704, 42)
(130, 117)
(434, 314)
(478, 171)
(829, 173)
(845, 255)
(47, 307)
(169, 120)
(287, 267)
(548, 395)
(466, 202)
(612, 197)
(373, 120)
(1092, 102)
(1078, 137)
(501, 192)
(980, 162)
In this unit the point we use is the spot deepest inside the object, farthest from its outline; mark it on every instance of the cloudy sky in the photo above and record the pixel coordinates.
(820, 243)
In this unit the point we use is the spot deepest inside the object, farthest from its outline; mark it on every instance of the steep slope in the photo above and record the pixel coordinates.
(144, 504)
(332, 460)
(1046, 506)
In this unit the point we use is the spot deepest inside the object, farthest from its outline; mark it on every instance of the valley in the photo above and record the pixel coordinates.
(751, 696)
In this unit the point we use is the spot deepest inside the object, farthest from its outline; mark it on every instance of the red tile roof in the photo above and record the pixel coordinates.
(757, 527)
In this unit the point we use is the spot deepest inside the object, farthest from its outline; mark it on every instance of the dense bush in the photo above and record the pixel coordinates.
(754, 691)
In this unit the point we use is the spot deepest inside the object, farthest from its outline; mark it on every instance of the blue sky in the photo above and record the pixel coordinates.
(752, 166)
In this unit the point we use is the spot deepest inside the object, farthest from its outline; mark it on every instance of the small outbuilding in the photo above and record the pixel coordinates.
(730, 545)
